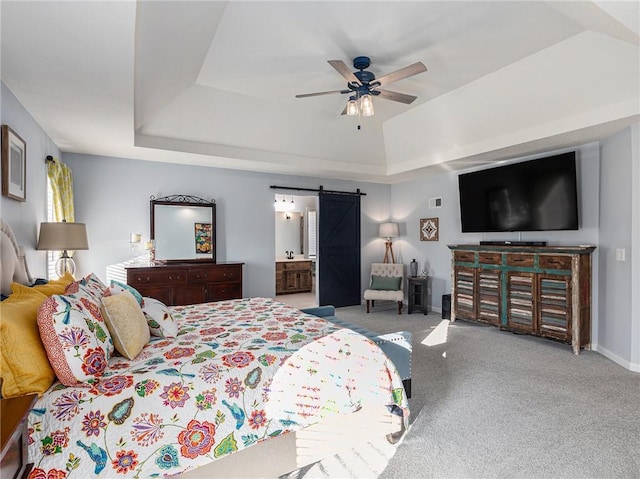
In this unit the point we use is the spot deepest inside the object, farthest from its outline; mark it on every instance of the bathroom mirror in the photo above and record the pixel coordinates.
(183, 227)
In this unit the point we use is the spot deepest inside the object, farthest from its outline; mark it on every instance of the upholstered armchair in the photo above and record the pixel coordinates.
(387, 284)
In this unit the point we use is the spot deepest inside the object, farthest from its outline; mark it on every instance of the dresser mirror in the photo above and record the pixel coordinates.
(183, 228)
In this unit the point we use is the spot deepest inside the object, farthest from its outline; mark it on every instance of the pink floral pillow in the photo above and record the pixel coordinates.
(75, 337)
(90, 285)
(116, 287)
(93, 284)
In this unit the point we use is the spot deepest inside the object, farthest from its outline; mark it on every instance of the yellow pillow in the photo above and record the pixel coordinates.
(24, 366)
(56, 286)
(126, 323)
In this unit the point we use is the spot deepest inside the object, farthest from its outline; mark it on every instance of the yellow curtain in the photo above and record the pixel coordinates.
(62, 185)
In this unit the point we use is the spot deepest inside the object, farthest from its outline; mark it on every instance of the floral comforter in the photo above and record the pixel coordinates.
(238, 373)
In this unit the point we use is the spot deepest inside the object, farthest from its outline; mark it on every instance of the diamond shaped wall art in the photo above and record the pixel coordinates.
(429, 229)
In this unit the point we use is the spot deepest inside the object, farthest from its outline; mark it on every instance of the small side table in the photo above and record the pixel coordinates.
(13, 436)
(418, 294)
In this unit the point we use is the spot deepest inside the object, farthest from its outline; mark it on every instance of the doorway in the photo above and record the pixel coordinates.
(329, 224)
(296, 249)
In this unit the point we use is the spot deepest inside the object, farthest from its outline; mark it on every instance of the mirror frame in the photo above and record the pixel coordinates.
(185, 200)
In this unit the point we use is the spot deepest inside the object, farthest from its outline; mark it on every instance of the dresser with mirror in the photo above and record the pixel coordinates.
(183, 268)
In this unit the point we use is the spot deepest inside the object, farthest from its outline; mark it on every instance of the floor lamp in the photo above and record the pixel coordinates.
(63, 237)
(388, 231)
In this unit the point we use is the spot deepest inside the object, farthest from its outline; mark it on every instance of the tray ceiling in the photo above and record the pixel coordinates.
(214, 83)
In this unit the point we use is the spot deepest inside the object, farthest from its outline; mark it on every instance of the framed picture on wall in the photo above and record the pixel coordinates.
(429, 229)
(203, 238)
(14, 165)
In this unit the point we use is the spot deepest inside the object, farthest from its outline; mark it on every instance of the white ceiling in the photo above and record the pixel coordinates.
(214, 83)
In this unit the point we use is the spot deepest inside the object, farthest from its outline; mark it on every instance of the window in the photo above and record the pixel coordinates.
(52, 256)
(311, 232)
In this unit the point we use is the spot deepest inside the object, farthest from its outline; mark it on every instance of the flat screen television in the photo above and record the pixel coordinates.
(534, 195)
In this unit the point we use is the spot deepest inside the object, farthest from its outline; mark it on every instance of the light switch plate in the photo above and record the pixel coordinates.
(620, 254)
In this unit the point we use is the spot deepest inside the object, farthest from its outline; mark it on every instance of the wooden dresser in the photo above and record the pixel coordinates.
(293, 276)
(187, 283)
(539, 290)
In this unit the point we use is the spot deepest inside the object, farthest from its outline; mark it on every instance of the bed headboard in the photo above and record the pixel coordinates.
(13, 266)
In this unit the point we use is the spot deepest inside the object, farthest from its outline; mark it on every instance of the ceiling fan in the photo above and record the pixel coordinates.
(362, 85)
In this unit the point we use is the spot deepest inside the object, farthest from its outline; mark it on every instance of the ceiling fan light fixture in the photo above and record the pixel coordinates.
(362, 84)
(366, 104)
(352, 106)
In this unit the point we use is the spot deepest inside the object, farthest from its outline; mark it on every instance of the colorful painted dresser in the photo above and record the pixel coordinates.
(539, 290)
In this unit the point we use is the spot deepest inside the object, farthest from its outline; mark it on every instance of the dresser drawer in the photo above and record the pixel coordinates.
(164, 294)
(220, 292)
(295, 266)
(554, 262)
(516, 259)
(485, 257)
(215, 274)
(464, 256)
(152, 276)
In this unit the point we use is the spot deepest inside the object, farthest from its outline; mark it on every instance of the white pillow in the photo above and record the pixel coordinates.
(161, 322)
(117, 287)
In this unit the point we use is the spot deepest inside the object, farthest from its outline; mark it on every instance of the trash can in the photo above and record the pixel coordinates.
(446, 306)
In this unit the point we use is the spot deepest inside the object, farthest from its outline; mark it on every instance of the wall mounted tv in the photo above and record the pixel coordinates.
(535, 195)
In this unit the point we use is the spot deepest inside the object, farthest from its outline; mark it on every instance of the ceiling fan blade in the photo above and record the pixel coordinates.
(342, 68)
(305, 95)
(405, 72)
(395, 96)
(344, 111)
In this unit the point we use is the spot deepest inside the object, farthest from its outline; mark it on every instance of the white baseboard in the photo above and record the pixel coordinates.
(616, 359)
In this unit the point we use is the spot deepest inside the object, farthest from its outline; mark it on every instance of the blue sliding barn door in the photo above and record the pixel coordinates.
(339, 249)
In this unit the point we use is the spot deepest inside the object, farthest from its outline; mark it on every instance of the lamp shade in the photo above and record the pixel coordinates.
(352, 106)
(366, 104)
(388, 230)
(62, 236)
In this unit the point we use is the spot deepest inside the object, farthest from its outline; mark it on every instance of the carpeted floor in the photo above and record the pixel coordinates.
(492, 404)
(299, 300)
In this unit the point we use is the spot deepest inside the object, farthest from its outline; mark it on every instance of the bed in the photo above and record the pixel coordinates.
(238, 377)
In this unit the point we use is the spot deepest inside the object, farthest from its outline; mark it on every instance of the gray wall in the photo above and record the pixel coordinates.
(112, 197)
(617, 220)
(25, 217)
(410, 202)
(635, 245)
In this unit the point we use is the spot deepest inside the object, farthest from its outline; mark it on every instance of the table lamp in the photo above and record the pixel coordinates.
(63, 237)
(388, 231)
